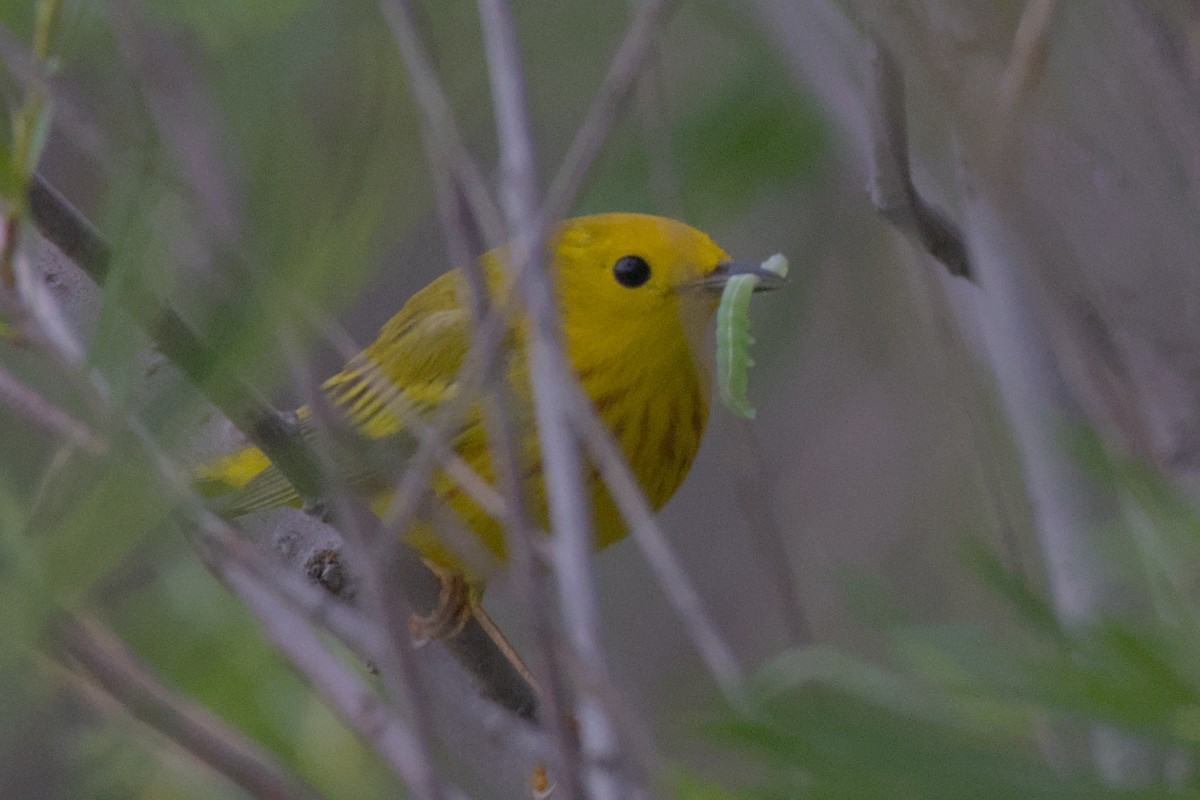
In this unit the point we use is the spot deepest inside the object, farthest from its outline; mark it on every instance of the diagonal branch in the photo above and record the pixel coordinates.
(890, 182)
(274, 433)
(611, 98)
(33, 406)
(109, 663)
(355, 702)
(437, 114)
(672, 578)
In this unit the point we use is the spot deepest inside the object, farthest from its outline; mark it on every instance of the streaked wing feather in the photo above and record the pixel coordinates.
(409, 370)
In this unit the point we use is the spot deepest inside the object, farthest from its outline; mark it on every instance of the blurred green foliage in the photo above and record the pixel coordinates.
(965, 712)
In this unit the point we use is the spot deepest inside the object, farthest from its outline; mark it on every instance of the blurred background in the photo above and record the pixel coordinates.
(871, 526)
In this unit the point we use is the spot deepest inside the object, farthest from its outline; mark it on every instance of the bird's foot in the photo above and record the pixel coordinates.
(456, 604)
(540, 785)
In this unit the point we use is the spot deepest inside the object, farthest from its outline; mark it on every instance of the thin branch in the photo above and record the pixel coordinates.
(891, 186)
(380, 582)
(1069, 507)
(1174, 98)
(1025, 63)
(33, 406)
(108, 662)
(274, 433)
(436, 112)
(639, 751)
(549, 373)
(469, 221)
(716, 654)
(896, 197)
(357, 704)
(436, 438)
(465, 245)
(755, 493)
(606, 107)
(499, 679)
(184, 113)
(292, 634)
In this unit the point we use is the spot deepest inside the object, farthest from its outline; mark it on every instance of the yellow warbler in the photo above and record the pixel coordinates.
(636, 295)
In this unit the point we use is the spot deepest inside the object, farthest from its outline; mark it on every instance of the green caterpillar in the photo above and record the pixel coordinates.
(734, 339)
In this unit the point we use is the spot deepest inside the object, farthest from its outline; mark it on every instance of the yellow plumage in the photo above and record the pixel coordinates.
(636, 345)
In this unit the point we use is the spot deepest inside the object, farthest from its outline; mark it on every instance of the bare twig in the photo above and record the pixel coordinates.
(754, 489)
(896, 197)
(360, 707)
(466, 235)
(1069, 508)
(639, 750)
(184, 114)
(892, 189)
(1174, 98)
(435, 437)
(384, 566)
(465, 244)
(438, 115)
(108, 662)
(672, 578)
(550, 376)
(606, 107)
(1025, 63)
(33, 406)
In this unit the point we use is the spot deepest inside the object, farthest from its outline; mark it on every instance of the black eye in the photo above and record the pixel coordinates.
(631, 271)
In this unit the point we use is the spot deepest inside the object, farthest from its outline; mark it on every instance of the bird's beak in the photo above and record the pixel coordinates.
(715, 281)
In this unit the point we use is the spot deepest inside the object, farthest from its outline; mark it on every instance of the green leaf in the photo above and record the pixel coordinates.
(12, 184)
(820, 742)
(1022, 597)
(31, 127)
(690, 787)
(42, 114)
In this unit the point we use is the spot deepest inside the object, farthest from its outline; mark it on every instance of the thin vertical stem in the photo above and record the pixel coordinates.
(568, 499)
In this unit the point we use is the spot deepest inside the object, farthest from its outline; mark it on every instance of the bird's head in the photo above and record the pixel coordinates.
(638, 283)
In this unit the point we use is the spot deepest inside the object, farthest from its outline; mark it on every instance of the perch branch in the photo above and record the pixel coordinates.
(274, 433)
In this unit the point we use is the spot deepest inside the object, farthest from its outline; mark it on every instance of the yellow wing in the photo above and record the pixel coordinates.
(407, 372)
